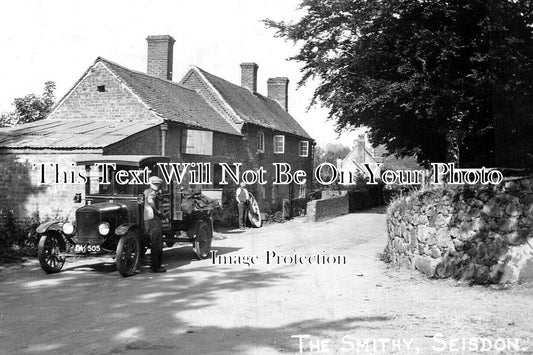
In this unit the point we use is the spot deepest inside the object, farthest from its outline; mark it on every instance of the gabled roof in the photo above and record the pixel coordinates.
(369, 156)
(251, 107)
(171, 101)
(70, 134)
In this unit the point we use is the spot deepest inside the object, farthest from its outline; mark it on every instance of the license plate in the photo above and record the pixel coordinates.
(86, 248)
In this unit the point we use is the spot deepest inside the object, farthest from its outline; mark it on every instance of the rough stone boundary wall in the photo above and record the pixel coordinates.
(326, 208)
(22, 194)
(479, 233)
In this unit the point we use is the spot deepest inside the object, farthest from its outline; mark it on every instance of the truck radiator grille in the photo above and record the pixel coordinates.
(87, 228)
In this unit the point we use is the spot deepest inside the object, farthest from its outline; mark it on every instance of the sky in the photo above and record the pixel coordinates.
(58, 40)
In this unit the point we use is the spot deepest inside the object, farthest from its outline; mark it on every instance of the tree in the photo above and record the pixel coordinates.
(6, 119)
(330, 153)
(334, 151)
(430, 78)
(31, 107)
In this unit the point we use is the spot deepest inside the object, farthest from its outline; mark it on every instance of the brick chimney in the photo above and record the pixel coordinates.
(160, 56)
(249, 76)
(277, 90)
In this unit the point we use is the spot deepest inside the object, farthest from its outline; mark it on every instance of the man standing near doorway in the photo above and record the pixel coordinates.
(241, 195)
(152, 221)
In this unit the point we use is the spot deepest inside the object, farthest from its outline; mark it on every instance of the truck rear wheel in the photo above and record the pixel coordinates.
(128, 254)
(202, 239)
(50, 245)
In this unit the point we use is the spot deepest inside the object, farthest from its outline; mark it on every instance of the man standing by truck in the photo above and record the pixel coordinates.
(241, 195)
(152, 221)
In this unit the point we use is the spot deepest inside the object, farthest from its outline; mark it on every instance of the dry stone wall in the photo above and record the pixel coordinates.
(479, 233)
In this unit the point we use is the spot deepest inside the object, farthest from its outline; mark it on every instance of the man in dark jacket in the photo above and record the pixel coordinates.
(152, 221)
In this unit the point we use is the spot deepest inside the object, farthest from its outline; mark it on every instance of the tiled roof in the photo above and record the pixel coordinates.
(171, 100)
(70, 134)
(255, 108)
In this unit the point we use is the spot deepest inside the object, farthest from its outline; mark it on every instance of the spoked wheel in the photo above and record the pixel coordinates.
(128, 254)
(202, 240)
(50, 245)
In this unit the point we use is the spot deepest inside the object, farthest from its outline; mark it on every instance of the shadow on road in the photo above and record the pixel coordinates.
(90, 308)
(173, 258)
(374, 210)
(104, 313)
(101, 312)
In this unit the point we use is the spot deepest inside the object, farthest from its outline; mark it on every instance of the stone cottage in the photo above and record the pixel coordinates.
(114, 110)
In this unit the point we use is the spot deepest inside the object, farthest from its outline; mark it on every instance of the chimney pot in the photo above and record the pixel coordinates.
(278, 90)
(249, 76)
(160, 56)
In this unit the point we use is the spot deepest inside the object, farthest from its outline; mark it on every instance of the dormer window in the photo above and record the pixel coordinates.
(100, 88)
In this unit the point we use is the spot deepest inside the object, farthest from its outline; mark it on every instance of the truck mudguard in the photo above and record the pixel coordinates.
(52, 225)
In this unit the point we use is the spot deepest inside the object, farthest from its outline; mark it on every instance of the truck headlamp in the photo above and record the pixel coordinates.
(103, 228)
(68, 228)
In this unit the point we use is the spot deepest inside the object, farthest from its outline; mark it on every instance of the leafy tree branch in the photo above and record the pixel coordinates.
(429, 78)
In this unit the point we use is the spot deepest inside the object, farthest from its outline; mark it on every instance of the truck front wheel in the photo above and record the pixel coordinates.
(128, 254)
(50, 245)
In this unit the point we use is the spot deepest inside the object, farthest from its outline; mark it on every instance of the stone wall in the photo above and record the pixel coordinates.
(22, 193)
(479, 233)
(326, 208)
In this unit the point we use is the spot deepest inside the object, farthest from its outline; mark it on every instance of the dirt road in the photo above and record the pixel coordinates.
(201, 307)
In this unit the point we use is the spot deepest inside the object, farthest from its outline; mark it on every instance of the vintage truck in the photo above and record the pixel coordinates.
(111, 219)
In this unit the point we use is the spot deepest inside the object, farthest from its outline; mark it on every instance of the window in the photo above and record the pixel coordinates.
(261, 142)
(303, 148)
(279, 144)
(100, 88)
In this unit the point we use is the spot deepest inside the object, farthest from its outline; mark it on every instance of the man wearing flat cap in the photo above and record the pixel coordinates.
(242, 196)
(152, 221)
